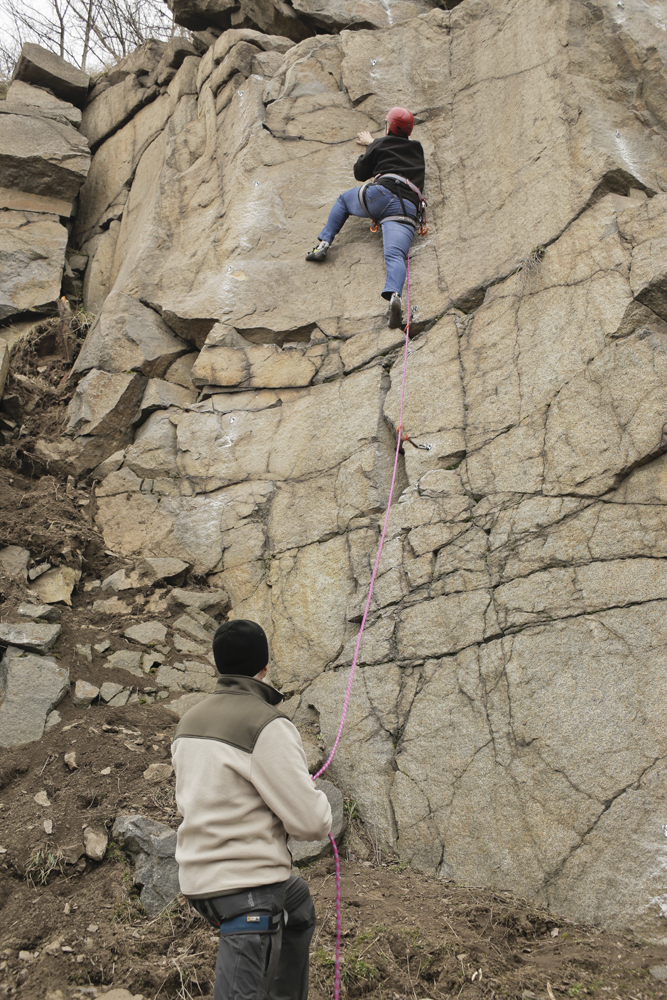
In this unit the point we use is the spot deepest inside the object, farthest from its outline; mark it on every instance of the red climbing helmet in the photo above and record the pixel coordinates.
(401, 121)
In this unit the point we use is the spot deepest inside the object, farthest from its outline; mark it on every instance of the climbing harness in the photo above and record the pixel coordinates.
(242, 923)
(421, 210)
(252, 923)
(400, 437)
(417, 221)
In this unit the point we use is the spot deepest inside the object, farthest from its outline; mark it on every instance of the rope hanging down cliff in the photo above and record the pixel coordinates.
(400, 438)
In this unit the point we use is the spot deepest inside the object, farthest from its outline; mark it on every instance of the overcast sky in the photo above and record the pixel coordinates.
(44, 10)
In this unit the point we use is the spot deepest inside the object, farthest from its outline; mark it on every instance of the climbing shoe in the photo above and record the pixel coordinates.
(395, 312)
(319, 252)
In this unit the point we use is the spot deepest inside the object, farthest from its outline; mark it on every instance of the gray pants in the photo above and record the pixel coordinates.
(260, 966)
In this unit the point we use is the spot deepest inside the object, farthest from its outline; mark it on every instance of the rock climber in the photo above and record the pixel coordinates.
(395, 164)
(242, 787)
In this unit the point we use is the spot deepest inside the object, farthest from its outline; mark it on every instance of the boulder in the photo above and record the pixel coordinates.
(57, 585)
(646, 229)
(110, 464)
(147, 572)
(192, 628)
(160, 395)
(177, 50)
(229, 360)
(202, 600)
(105, 189)
(46, 612)
(76, 458)
(36, 571)
(128, 336)
(112, 606)
(229, 40)
(151, 846)
(104, 403)
(113, 109)
(155, 774)
(147, 633)
(30, 686)
(41, 155)
(269, 16)
(95, 841)
(84, 693)
(339, 14)
(36, 97)
(32, 257)
(14, 562)
(238, 60)
(100, 249)
(35, 637)
(120, 994)
(180, 372)
(141, 62)
(126, 659)
(305, 851)
(109, 690)
(44, 68)
(190, 675)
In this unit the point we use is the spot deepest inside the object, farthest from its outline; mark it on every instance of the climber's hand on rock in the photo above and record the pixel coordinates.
(364, 138)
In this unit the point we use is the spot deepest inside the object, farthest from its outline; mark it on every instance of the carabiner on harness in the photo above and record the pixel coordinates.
(375, 224)
(421, 210)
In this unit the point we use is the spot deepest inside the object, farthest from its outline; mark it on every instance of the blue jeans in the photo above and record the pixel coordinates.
(396, 236)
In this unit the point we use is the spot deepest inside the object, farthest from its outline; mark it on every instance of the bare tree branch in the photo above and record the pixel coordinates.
(89, 33)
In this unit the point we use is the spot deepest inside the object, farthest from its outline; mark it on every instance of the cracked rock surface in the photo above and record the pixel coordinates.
(506, 726)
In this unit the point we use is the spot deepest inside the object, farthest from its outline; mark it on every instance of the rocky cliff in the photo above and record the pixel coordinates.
(507, 725)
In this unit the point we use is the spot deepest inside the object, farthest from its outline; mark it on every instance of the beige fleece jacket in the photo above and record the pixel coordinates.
(239, 804)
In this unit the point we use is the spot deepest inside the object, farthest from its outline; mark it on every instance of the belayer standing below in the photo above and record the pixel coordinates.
(395, 165)
(242, 786)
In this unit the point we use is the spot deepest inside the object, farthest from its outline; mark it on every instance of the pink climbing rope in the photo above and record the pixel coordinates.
(338, 923)
(399, 439)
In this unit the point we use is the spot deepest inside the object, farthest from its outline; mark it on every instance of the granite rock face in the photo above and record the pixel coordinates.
(504, 726)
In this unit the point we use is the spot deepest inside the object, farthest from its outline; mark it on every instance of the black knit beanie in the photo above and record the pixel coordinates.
(240, 647)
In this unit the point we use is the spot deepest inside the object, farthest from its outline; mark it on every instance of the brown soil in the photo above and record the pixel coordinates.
(39, 386)
(406, 936)
(71, 928)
